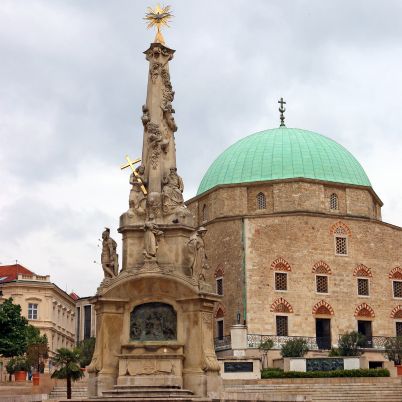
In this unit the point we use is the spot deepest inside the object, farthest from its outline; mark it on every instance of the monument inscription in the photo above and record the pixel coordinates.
(153, 322)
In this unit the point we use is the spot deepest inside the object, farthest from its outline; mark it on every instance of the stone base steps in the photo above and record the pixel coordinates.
(61, 392)
(342, 392)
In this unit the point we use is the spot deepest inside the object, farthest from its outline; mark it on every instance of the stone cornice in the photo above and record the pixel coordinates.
(291, 180)
(301, 213)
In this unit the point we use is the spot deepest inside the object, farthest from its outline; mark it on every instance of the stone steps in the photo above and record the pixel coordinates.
(330, 392)
(61, 392)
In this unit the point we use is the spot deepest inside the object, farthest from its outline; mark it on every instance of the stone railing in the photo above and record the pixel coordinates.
(223, 343)
(374, 342)
(255, 340)
(36, 278)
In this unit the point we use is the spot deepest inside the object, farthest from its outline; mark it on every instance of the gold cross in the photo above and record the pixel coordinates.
(130, 164)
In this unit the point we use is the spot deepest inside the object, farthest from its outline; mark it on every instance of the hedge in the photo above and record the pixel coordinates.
(276, 373)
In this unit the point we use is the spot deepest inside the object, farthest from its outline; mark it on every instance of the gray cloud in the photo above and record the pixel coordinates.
(73, 79)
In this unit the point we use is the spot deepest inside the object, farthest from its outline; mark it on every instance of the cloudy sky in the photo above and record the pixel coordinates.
(73, 79)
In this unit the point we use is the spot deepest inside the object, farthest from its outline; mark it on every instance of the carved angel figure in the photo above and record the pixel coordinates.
(109, 257)
(152, 233)
(196, 247)
(172, 192)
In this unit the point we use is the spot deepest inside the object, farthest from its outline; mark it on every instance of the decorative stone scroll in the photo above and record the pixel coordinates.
(362, 271)
(364, 310)
(153, 322)
(340, 228)
(321, 267)
(281, 306)
(395, 273)
(323, 308)
(396, 312)
(281, 264)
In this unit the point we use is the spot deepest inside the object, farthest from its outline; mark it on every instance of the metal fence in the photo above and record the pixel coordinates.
(255, 340)
(223, 343)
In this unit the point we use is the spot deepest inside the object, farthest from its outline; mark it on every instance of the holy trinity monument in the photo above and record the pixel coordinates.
(155, 315)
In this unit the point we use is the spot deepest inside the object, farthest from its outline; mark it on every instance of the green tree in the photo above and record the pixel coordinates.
(67, 363)
(37, 347)
(393, 349)
(296, 347)
(13, 329)
(86, 347)
(350, 344)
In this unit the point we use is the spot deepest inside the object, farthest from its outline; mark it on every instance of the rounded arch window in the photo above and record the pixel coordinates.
(261, 201)
(205, 212)
(333, 202)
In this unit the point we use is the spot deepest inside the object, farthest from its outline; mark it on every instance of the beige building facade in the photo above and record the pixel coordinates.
(300, 256)
(43, 303)
(85, 319)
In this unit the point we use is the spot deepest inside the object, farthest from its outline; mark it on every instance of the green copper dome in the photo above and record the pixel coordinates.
(283, 153)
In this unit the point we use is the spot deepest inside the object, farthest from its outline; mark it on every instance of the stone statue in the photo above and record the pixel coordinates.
(172, 192)
(137, 199)
(109, 257)
(196, 247)
(145, 115)
(151, 240)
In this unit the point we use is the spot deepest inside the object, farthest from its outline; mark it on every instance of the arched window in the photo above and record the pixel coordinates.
(333, 202)
(341, 234)
(261, 201)
(204, 213)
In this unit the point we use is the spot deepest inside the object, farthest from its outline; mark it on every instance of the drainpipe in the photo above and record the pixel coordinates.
(244, 295)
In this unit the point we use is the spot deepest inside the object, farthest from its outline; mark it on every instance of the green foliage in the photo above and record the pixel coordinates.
(34, 337)
(266, 345)
(13, 329)
(19, 363)
(86, 347)
(393, 349)
(334, 352)
(350, 343)
(276, 373)
(67, 363)
(37, 353)
(294, 348)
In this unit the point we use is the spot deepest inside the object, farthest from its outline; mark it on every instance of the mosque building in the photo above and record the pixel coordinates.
(296, 244)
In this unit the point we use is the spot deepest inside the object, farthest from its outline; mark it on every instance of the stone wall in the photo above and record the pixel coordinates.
(296, 226)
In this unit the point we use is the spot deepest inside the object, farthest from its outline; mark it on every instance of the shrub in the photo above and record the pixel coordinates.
(294, 348)
(350, 343)
(275, 373)
(18, 363)
(334, 352)
(393, 349)
(266, 345)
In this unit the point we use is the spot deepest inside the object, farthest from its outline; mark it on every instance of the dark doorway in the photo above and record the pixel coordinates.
(364, 328)
(323, 333)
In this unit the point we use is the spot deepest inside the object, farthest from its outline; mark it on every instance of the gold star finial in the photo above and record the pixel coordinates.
(158, 17)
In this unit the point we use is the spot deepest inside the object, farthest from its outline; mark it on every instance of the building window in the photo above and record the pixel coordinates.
(261, 201)
(333, 202)
(219, 329)
(204, 213)
(87, 321)
(341, 245)
(219, 286)
(281, 281)
(397, 287)
(321, 282)
(32, 311)
(281, 325)
(362, 286)
(398, 328)
(78, 324)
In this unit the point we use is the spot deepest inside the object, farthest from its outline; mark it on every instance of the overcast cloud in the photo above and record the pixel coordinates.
(73, 79)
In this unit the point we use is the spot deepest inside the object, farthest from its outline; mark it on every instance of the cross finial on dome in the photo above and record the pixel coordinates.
(282, 110)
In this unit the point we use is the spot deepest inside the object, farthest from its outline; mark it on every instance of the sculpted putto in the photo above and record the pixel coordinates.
(109, 257)
(196, 247)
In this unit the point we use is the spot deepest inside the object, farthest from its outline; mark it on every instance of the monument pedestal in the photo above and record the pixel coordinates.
(135, 309)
